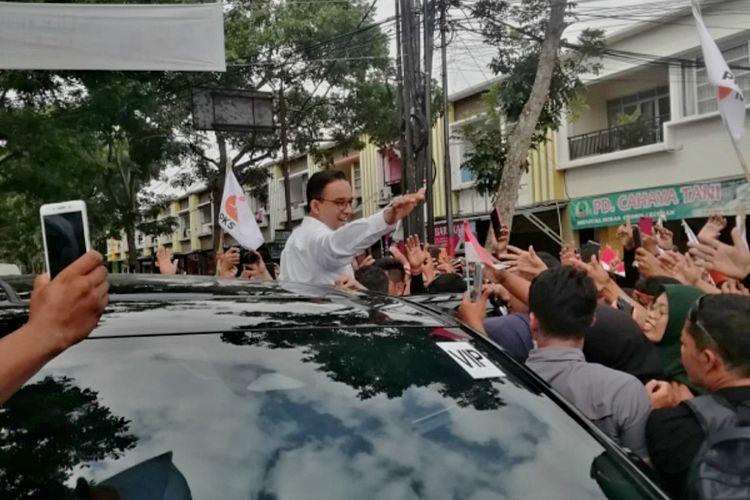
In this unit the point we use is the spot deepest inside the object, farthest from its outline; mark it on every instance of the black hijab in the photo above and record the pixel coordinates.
(616, 341)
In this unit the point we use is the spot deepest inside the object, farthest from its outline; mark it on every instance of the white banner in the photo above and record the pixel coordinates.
(187, 37)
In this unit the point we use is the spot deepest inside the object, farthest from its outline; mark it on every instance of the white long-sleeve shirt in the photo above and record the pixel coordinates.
(316, 254)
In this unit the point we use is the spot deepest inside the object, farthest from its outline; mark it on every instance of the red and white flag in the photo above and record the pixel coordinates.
(474, 251)
(731, 100)
(236, 217)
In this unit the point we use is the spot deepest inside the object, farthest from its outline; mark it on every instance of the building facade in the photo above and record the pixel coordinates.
(192, 241)
(651, 141)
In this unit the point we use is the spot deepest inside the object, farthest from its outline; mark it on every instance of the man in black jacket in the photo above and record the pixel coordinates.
(716, 356)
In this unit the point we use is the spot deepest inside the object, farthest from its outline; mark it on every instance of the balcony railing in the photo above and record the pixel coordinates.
(640, 133)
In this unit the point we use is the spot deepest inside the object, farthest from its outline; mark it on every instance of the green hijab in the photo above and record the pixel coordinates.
(680, 299)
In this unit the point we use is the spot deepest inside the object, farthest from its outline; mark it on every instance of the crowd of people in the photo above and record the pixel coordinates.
(658, 359)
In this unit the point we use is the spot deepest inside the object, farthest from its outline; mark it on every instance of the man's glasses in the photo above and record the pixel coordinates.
(342, 203)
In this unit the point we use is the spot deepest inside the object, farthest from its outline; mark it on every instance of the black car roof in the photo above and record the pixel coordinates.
(163, 305)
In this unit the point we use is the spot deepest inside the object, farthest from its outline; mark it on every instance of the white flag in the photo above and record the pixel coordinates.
(236, 217)
(731, 100)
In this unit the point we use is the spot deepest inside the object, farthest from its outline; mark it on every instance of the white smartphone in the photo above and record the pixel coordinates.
(65, 232)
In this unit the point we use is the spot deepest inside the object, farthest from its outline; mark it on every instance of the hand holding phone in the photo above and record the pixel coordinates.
(497, 225)
(65, 232)
(636, 237)
(476, 289)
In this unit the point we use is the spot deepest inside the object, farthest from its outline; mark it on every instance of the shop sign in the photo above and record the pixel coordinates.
(671, 202)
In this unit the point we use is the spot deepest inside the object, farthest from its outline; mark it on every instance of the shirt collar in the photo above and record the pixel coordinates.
(557, 354)
(312, 222)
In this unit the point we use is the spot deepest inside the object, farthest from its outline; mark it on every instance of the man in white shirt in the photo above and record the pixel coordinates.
(322, 247)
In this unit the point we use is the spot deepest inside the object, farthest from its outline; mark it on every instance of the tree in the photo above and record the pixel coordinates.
(50, 428)
(538, 84)
(323, 62)
(96, 136)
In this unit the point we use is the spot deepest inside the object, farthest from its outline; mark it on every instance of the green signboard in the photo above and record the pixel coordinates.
(683, 201)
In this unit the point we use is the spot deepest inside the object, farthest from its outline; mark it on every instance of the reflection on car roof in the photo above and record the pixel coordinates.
(142, 305)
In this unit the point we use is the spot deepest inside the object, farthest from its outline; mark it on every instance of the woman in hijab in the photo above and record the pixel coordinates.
(666, 318)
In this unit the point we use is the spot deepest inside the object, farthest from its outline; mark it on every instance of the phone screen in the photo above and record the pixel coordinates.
(588, 250)
(646, 225)
(496, 225)
(65, 240)
(476, 289)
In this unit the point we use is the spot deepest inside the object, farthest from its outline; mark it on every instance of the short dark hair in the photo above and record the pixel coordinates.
(373, 278)
(434, 252)
(318, 182)
(654, 286)
(563, 301)
(448, 283)
(549, 260)
(721, 322)
(393, 268)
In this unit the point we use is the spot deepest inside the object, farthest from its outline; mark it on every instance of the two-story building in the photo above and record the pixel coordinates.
(376, 172)
(540, 217)
(651, 141)
(191, 242)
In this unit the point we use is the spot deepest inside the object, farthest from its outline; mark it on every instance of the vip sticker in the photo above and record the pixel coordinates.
(471, 360)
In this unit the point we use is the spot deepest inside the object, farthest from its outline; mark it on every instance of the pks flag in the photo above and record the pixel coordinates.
(236, 217)
(731, 100)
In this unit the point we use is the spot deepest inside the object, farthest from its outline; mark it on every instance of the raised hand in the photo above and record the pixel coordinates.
(730, 260)
(501, 241)
(227, 263)
(525, 262)
(167, 266)
(649, 265)
(664, 238)
(67, 308)
(403, 206)
(414, 254)
(625, 233)
(713, 227)
(473, 313)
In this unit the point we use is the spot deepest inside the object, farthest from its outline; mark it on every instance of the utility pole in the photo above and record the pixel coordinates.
(285, 158)
(401, 100)
(427, 168)
(447, 172)
(410, 59)
(417, 92)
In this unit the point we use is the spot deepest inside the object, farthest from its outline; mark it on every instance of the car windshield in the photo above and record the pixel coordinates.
(322, 413)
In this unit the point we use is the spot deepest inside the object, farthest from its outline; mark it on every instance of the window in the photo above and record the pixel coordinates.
(298, 186)
(705, 92)
(205, 214)
(460, 149)
(649, 104)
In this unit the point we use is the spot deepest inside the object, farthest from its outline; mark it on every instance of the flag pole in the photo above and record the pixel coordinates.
(226, 172)
(740, 156)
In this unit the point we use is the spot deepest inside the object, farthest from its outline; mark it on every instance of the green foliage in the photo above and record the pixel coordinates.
(330, 64)
(517, 31)
(104, 136)
(51, 427)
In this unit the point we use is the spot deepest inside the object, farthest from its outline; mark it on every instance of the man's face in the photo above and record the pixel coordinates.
(334, 209)
(693, 359)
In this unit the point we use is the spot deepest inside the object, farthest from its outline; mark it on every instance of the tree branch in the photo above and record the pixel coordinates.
(198, 151)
